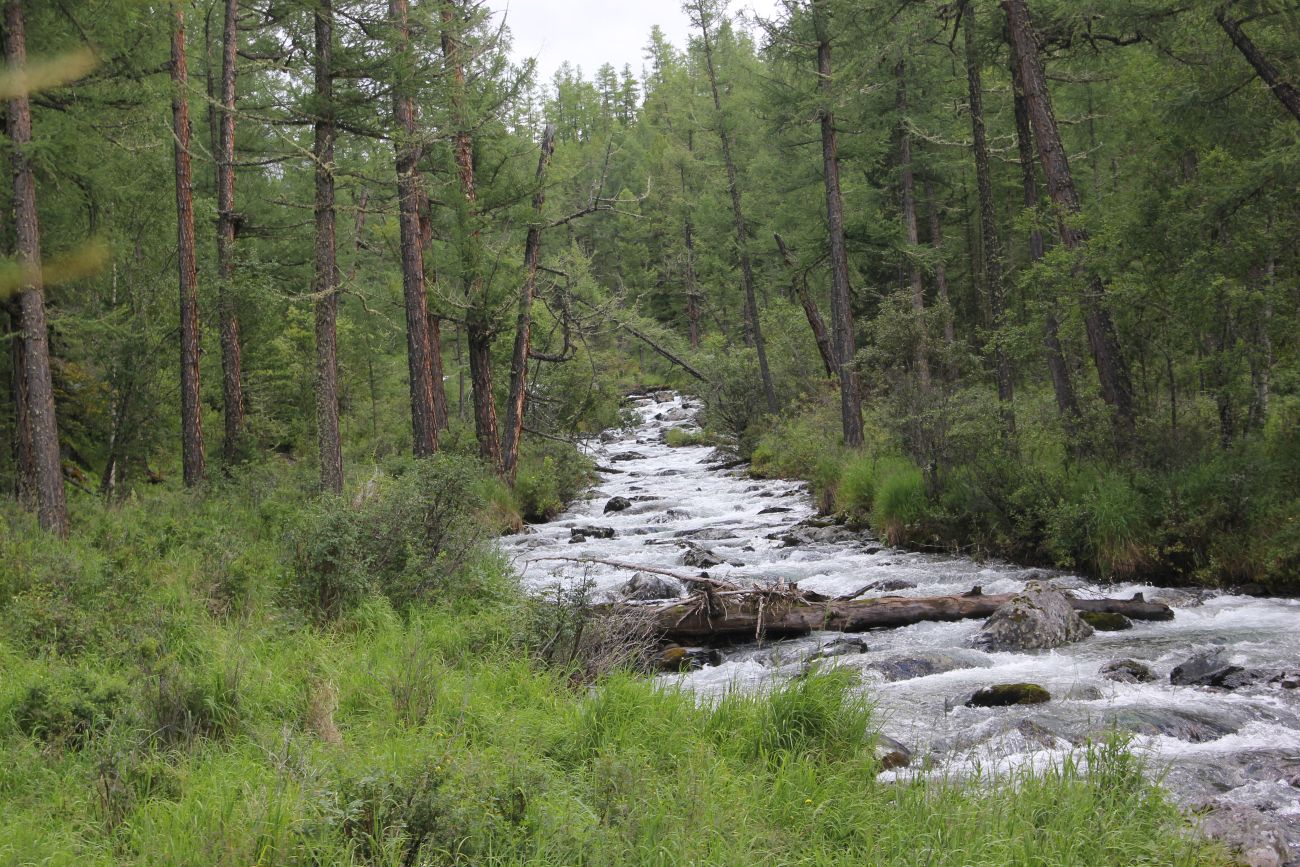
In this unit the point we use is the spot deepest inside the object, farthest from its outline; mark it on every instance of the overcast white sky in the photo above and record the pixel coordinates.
(591, 32)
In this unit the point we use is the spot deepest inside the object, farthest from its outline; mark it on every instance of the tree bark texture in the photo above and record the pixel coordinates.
(990, 243)
(25, 486)
(822, 337)
(753, 327)
(192, 454)
(419, 349)
(841, 293)
(1066, 401)
(325, 284)
(517, 402)
(1112, 369)
(721, 616)
(940, 268)
(478, 328)
(907, 189)
(232, 388)
(1285, 92)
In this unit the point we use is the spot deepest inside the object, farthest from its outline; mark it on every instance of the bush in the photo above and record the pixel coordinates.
(186, 702)
(551, 475)
(70, 707)
(410, 536)
(677, 438)
(901, 503)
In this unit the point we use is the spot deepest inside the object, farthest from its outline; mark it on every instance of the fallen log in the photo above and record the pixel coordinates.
(720, 617)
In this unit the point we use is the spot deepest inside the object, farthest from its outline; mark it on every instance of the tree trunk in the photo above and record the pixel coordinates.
(25, 486)
(815, 322)
(1285, 92)
(753, 327)
(991, 244)
(1066, 402)
(232, 388)
(325, 285)
(478, 327)
(688, 232)
(940, 268)
(424, 424)
(841, 293)
(1261, 357)
(748, 615)
(908, 190)
(1112, 369)
(192, 455)
(518, 399)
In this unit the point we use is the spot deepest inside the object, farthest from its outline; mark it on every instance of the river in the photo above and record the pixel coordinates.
(1239, 746)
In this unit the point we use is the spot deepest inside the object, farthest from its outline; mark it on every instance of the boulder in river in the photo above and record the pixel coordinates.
(592, 532)
(1127, 671)
(699, 557)
(906, 666)
(617, 504)
(1038, 618)
(891, 753)
(645, 587)
(677, 658)
(889, 585)
(1254, 838)
(845, 646)
(626, 456)
(1007, 694)
(1106, 621)
(1186, 726)
(1204, 669)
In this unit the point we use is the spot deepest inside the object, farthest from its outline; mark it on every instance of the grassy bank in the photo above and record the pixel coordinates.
(256, 676)
(1171, 512)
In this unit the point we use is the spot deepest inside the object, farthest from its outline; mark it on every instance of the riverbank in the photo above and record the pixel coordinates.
(200, 680)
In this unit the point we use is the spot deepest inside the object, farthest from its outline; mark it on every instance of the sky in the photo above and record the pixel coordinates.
(589, 33)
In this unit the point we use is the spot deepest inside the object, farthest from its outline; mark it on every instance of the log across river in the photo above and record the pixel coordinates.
(682, 504)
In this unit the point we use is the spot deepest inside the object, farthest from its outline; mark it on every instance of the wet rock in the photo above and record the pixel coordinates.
(1204, 669)
(807, 535)
(670, 472)
(1106, 621)
(1254, 838)
(669, 516)
(1127, 671)
(626, 456)
(1037, 734)
(678, 414)
(1083, 692)
(1007, 694)
(1037, 619)
(775, 510)
(1183, 725)
(1175, 597)
(592, 532)
(889, 585)
(847, 646)
(699, 557)
(646, 587)
(891, 753)
(924, 663)
(617, 504)
(664, 396)
(707, 534)
(576, 538)
(687, 658)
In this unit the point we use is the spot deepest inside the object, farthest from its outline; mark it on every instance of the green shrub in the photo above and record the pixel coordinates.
(551, 475)
(677, 438)
(855, 493)
(198, 699)
(70, 707)
(901, 503)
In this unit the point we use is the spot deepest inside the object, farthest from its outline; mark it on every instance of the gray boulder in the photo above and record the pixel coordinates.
(1204, 669)
(1039, 618)
(699, 557)
(891, 753)
(1255, 839)
(1127, 671)
(645, 587)
(906, 666)
(617, 504)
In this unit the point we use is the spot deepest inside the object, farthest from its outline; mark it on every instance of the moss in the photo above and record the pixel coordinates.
(1105, 621)
(1006, 694)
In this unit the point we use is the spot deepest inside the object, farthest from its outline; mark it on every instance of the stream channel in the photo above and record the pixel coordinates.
(1238, 746)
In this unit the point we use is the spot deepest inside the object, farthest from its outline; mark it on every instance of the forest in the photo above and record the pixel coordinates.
(307, 304)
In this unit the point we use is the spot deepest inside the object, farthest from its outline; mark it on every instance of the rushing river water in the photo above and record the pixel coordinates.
(1241, 746)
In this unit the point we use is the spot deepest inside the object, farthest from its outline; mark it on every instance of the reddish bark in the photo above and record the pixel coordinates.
(325, 282)
(192, 454)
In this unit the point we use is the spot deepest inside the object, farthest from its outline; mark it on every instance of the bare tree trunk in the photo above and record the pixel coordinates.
(478, 327)
(908, 189)
(232, 388)
(1066, 402)
(940, 268)
(518, 399)
(841, 293)
(325, 285)
(799, 284)
(991, 244)
(1285, 92)
(688, 231)
(424, 424)
(25, 487)
(192, 455)
(753, 327)
(1112, 369)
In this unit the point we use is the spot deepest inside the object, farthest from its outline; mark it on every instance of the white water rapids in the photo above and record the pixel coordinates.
(1241, 746)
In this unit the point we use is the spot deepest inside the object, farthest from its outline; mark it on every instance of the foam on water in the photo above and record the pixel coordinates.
(1243, 745)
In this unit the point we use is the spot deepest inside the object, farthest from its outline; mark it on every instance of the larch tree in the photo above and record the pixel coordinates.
(232, 387)
(325, 282)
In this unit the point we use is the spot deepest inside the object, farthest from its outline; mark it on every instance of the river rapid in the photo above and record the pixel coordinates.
(1240, 746)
